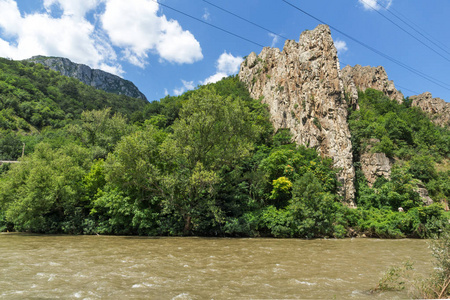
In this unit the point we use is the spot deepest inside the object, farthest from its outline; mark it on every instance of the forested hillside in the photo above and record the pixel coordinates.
(207, 162)
(34, 99)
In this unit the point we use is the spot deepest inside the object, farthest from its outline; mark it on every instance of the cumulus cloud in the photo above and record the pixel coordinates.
(375, 4)
(73, 8)
(10, 17)
(226, 65)
(129, 30)
(67, 36)
(341, 46)
(135, 26)
(187, 85)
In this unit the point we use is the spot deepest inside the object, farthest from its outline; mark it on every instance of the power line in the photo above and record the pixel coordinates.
(412, 27)
(403, 88)
(248, 21)
(404, 30)
(209, 24)
(412, 70)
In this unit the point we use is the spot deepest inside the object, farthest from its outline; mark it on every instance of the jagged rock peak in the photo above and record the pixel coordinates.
(303, 89)
(438, 109)
(96, 78)
(366, 77)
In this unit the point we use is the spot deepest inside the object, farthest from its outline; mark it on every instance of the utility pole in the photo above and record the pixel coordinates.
(23, 149)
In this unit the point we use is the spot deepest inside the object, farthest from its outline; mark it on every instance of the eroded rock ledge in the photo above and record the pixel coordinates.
(362, 78)
(438, 109)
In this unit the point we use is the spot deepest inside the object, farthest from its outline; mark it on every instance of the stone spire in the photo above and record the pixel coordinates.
(303, 89)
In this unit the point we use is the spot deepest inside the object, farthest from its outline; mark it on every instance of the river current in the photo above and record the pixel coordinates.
(114, 267)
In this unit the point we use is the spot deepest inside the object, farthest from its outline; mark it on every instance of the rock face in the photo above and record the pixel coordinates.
(99, 79)
(423, 193)
(438, 109)
(374, 165)
(362, 78)
(303, 88)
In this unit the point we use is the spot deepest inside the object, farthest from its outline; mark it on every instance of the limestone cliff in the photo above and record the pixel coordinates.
(304, 91)
(97, 78)
(438, 109)
(362, 78)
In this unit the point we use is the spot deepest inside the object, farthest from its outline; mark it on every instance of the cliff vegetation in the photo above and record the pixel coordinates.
(208, 162)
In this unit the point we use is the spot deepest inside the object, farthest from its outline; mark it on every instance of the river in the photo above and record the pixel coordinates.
(114, 267)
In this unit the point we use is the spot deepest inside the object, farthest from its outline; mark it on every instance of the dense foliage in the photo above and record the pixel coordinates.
(206, 163)
(35, 101)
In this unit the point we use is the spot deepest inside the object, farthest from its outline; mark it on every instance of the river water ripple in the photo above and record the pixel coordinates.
(111, 267)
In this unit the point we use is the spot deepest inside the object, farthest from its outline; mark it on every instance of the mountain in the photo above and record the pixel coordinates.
(303, 88)
(97, 78)
(307, 93)
(292, 146)
(33, 97)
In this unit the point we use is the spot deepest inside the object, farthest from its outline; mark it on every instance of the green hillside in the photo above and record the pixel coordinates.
(207, 162)
(36, 100)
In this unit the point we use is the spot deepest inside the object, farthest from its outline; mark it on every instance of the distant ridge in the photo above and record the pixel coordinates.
(96, 78)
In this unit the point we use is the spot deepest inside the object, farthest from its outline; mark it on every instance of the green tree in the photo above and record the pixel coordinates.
(212, 134)
(313, 209)
(101, 131)
(43, 194)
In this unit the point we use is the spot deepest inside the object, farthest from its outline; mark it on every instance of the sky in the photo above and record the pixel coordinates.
(167, 48)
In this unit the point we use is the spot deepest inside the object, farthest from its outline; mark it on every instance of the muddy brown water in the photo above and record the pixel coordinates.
(114, 267)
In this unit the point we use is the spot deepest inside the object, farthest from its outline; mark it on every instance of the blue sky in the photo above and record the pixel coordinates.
(165, 52)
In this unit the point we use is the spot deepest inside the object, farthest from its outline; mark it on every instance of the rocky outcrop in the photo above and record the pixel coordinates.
(97, 78)
(362, 78)
(375, 165)
(303, 89)
(436, 108)
(423, 194)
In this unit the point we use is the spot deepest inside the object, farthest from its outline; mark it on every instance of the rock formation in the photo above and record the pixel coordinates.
(438, 109)
(375, 165)
(99, 79)
(304, 91)
(423, 193)
(362, 78)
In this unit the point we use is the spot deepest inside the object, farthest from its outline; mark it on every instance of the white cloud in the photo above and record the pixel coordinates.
(187, 85)
(132, 28)
(226, 65)
(341, 46)
(275, 39)
(114, 69)
(68, 36)
(72, 7)
(177, 45)
(178, 92)
(135, 26)
(206, 15)
(375, 4)
(9, 17)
